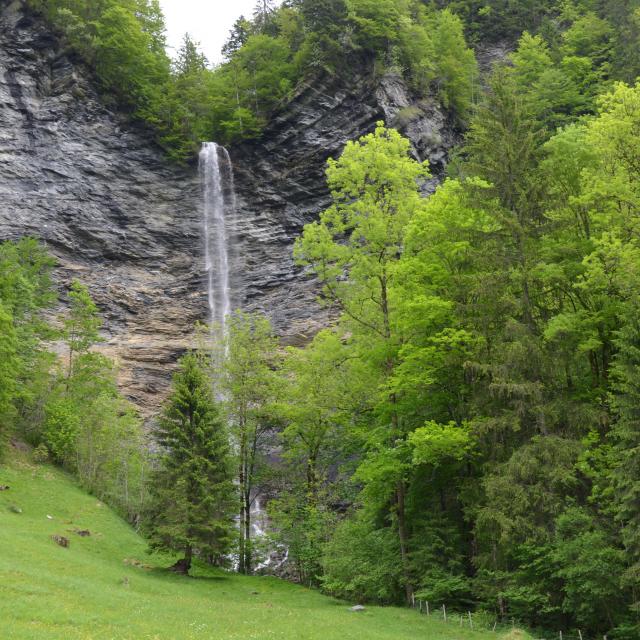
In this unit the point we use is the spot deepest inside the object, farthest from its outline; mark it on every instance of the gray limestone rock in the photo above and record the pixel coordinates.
(121, 218)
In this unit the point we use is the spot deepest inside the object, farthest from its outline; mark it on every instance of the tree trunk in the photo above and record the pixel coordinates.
(403, 534)
(312, 475)
(248, 561)
(184, 564)
(243, 517)
(404, 540)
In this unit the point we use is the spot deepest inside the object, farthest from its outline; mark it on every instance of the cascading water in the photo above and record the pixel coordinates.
(219, 204)
(216, 236)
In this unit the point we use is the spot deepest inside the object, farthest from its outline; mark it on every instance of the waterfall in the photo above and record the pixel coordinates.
(216, 207)
(218, 210)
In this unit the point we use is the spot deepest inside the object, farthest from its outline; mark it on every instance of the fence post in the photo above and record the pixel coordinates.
(444, 613)
(579, 634)
(561, 635)
(420, 604)
(470, 619)
(428, 612)
(413, 601)
(495, 624)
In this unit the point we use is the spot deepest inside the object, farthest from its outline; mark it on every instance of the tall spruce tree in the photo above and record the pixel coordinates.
(193, 496)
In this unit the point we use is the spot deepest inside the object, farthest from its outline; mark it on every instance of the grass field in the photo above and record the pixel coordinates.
(94, 590)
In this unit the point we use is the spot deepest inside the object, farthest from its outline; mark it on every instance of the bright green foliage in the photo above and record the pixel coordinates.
(100, 434)
(8, 367)
(359, 563)
(437, 444)
(303, 526)
(73, 411)
(320, 394)
(455, 63)
(626, 437)
(61, 429)
(375, 197)
(581, 46)
(192, 501)
(124, 42)
(377, 21)
(126, 62)
(590, 567)
(550, 93)
(246, 381)
(265, 58)
(88, 427)
(586, 47)
(395, 331)
(493, 329)
(26, 291)
(106, 585)
(83, 323)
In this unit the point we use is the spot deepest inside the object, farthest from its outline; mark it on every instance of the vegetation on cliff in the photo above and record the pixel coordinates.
(187, 101)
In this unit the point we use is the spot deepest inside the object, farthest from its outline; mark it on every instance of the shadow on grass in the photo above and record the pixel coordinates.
(165, 573)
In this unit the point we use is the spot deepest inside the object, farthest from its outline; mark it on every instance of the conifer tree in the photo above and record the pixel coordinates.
(238, 35)
(192, 493)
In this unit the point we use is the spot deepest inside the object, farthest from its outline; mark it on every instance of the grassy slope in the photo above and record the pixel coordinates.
(88, 591)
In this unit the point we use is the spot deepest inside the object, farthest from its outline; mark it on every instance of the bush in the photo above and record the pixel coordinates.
(361, 564)
(41, 454)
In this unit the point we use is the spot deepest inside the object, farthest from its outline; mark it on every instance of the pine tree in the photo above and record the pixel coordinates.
(262, 14)
(238, 35)
(190, 61)
(192, 492)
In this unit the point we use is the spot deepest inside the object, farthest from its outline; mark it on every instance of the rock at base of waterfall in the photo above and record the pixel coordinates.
(357, 609)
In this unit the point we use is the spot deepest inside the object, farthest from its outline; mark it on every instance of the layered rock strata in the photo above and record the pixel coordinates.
(122, 219)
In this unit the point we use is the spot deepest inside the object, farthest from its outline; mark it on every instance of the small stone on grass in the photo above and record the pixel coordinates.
(61, 541)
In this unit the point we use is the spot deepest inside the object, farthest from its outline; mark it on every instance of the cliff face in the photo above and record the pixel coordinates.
(126, 222)
(280, 180)
(109, 207)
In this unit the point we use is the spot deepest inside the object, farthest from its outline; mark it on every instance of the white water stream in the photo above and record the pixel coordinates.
(216, 235)
(218, 210)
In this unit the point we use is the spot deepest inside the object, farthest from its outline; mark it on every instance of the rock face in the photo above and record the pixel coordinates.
(122, 219)
(105, 201)
(280, 180)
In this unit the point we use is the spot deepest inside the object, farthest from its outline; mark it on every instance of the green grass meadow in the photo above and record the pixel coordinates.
(106, 587)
